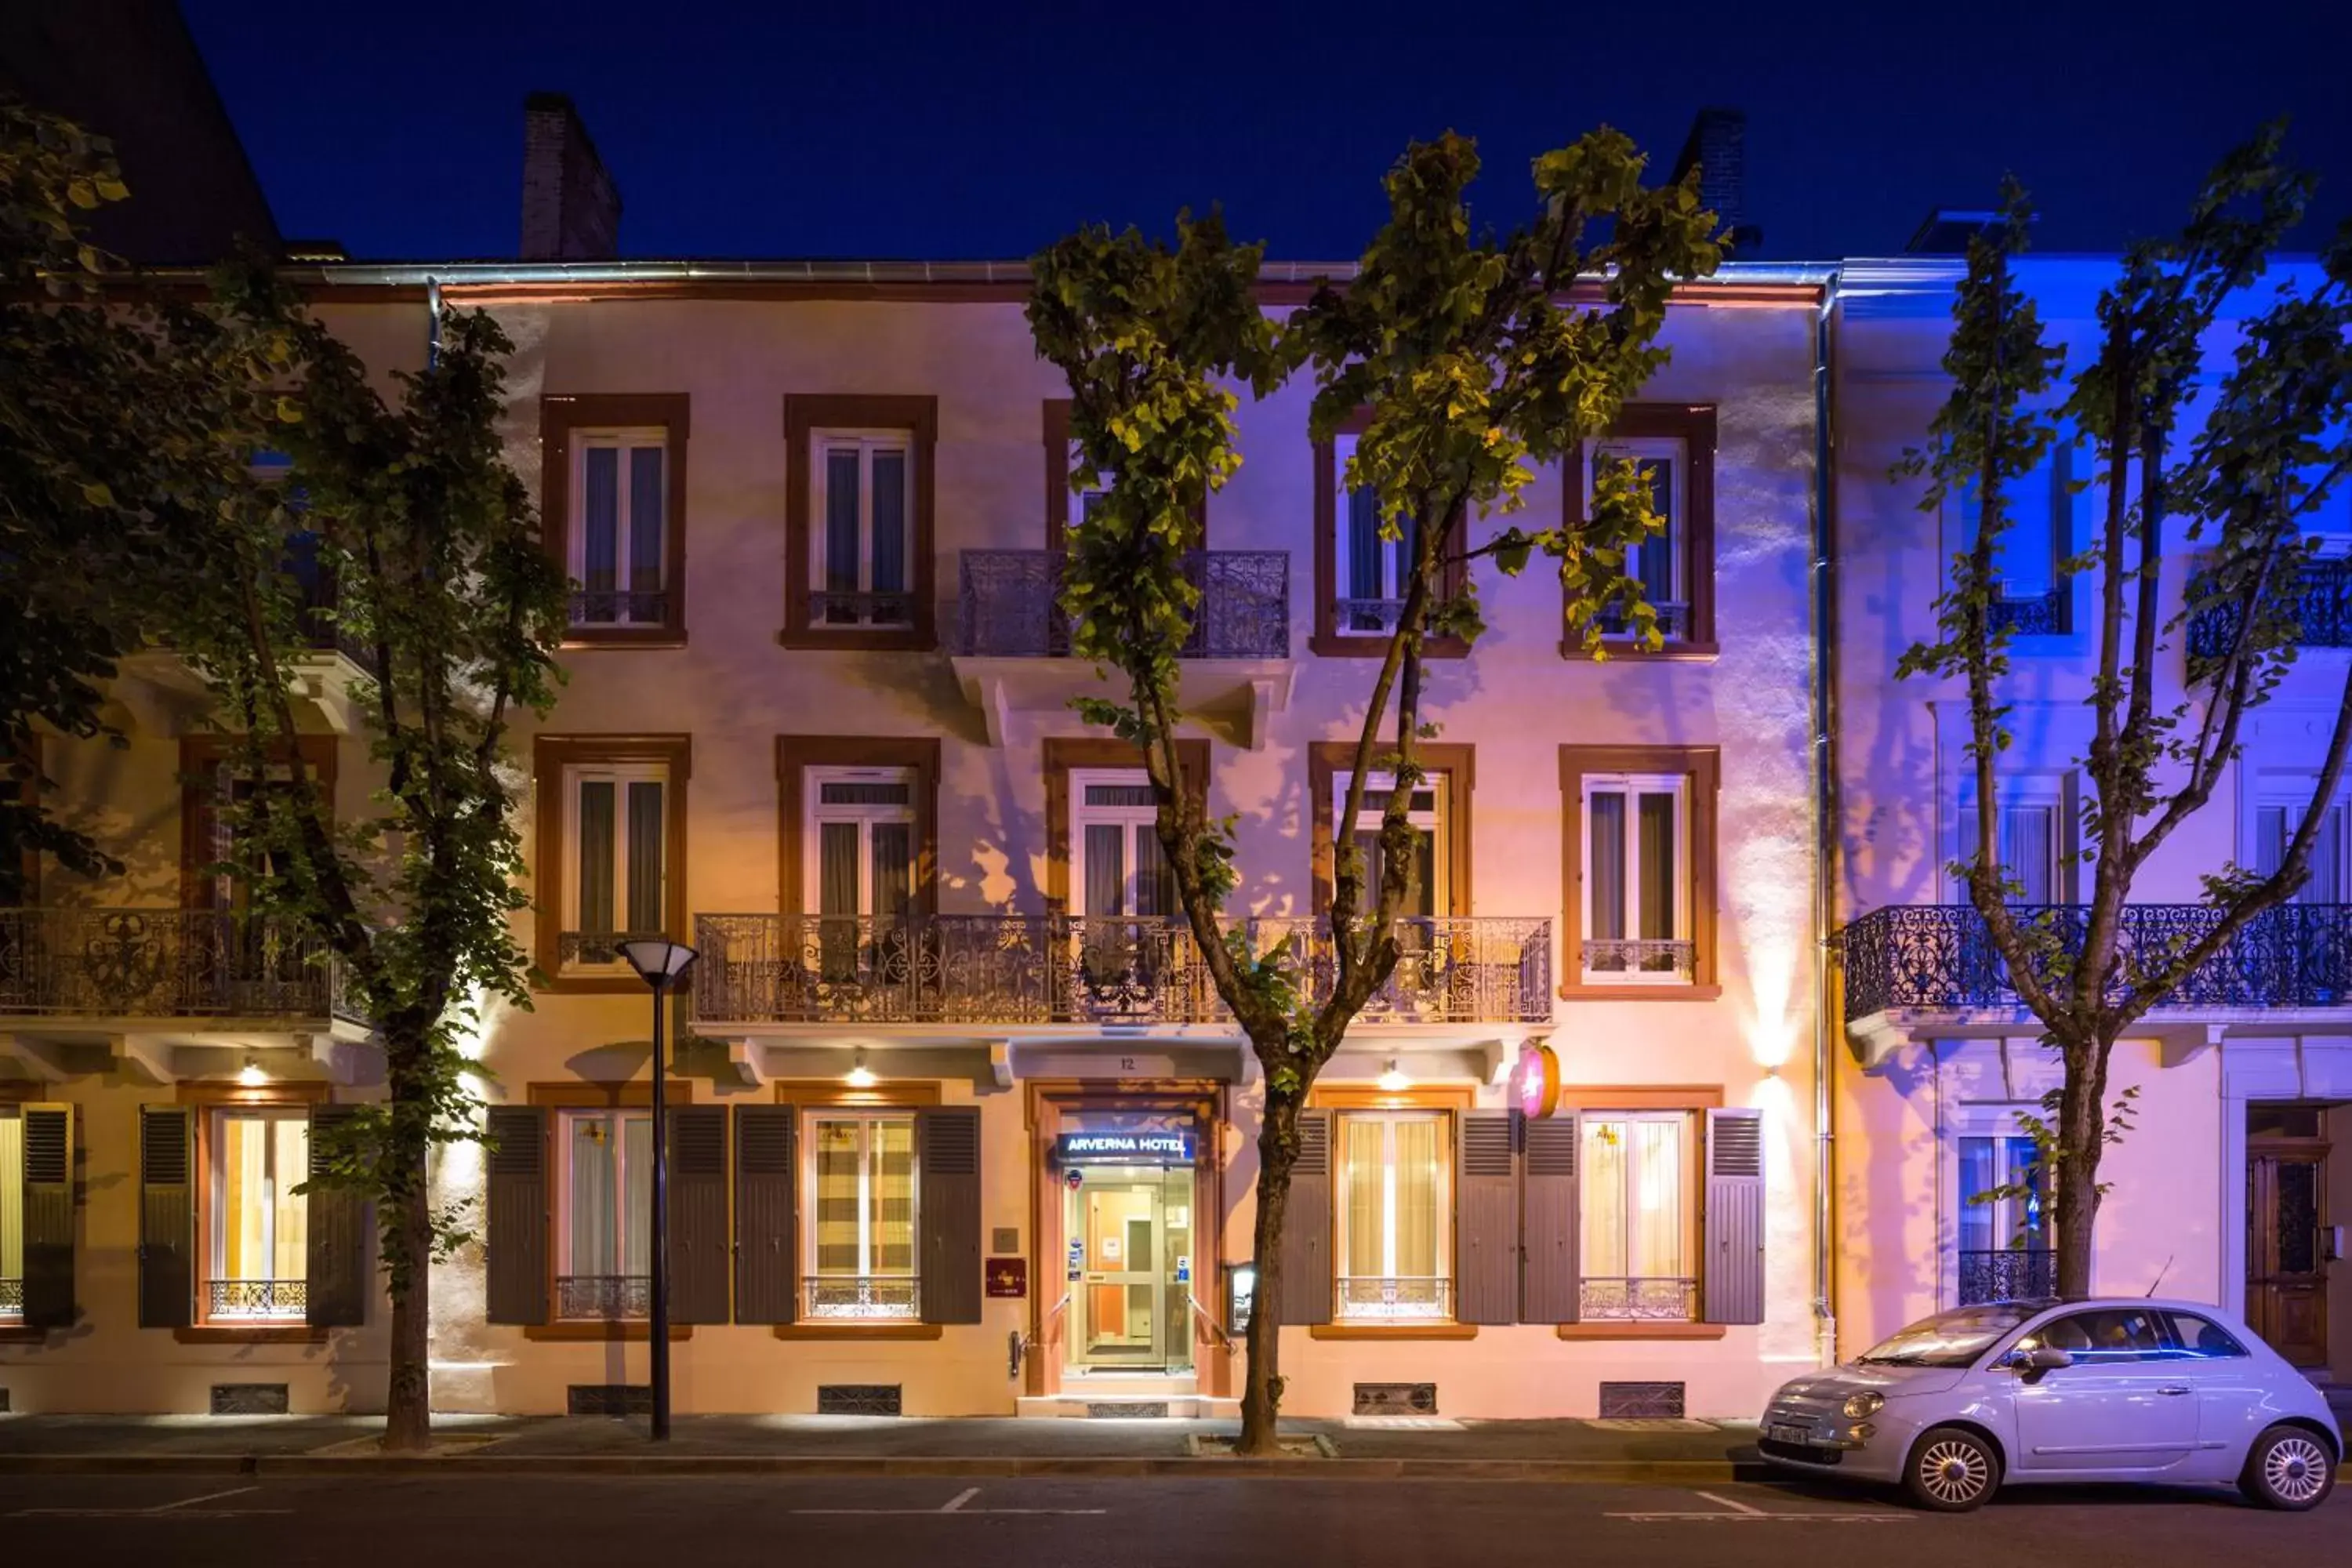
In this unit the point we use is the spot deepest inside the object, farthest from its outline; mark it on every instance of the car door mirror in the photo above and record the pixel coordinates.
(2047, 1357)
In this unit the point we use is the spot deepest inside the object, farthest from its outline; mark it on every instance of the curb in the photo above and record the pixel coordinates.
(1616, 1472)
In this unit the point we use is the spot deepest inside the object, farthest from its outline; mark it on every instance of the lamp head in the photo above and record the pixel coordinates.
(659, 962)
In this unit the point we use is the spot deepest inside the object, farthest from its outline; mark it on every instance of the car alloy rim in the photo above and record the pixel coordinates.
(2296, 1468)
(1953, 1471)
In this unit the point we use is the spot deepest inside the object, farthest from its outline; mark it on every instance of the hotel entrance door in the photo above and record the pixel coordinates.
(1130, 1239)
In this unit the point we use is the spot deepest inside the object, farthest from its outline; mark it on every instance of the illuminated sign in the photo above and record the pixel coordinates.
(1124, 1149)
(1535, 1080)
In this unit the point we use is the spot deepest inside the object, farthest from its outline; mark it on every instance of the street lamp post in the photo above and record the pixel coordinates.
(661, 964)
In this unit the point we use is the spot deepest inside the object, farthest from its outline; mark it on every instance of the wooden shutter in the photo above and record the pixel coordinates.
(167, 1217)
(342, 1257)
(697, 1213)
(48, 1235)
(766, 1213)
(947, 1149)
(518, 1219)
(1733, 1257)
(1305, 1287)
(1550, 1289)
(1486, 1218)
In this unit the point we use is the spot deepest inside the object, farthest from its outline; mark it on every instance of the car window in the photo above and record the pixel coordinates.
(2200, 1339)
(2104, 1338)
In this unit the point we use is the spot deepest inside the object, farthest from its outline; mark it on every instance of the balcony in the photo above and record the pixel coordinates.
(257, 1300)
(1656, 1300)
(164, 964)
(860, 1298)
(2323, 606)
(989, 971)
(1012, 641)
(1912, 965)
(1619, 961)
(1368, 1298)
(604, 1297)
(2008, 1274)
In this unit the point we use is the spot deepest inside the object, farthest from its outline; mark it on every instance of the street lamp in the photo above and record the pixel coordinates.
(661, 964)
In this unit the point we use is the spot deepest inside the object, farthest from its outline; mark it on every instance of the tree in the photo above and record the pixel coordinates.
(446, 598)
(2228, 472)
(1469, 362)
(109, 421)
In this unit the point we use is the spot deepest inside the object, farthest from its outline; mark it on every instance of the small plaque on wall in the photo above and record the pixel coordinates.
(1008, 1277)
(1005, 1238)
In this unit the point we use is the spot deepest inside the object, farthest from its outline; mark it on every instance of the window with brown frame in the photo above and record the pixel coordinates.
(1639, 876)
(613, 501)
(1440, 812)
(1674, 445)
(611, 852)
(1359, 576)
(1066, 508)
(211, 788)
(1083, 755)
(858, 825)
(858, 567)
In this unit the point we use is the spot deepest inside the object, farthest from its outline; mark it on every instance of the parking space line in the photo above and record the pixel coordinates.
(954, 1507)
(1738, 1513)
(184, 1508)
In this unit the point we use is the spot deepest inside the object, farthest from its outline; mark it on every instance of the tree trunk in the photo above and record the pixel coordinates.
(408, 1240)
(1277, 1150)
(2082, 1138)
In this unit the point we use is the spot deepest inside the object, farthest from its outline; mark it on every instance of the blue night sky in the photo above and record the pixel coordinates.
(931, 130)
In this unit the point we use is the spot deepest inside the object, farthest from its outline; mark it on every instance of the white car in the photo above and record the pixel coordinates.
(2103, 1390)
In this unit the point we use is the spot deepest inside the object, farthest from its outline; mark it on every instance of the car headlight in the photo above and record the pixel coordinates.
(1858, 1405)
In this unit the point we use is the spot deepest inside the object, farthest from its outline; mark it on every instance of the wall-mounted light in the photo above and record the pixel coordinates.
(860, 1076)
(251, 1075)
(1394, 1080)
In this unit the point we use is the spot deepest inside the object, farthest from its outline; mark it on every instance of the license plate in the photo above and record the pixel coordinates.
(1781, 1432)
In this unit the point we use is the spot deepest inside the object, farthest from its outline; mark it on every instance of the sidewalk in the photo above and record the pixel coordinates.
(1608, 1451)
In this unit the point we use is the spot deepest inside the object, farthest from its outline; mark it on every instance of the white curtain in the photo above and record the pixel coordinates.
(1606, 1181)
(646, 848)
(2029, 851)
(11, 1195)
(1365, 1149)
(1658, 896)
(595, 1180)
(1657, 1221)
(1605, 813)
(1106, 889)
(638, 1214)
(597, 868)
(1415, 1219)
(1656, 552)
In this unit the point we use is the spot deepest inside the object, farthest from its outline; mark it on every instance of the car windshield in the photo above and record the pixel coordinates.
(1947, 1339)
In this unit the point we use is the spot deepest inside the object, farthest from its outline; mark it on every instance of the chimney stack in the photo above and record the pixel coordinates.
(1717, 148)
(571, 208)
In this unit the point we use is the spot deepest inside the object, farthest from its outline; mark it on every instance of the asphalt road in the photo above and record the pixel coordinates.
(709, 1521)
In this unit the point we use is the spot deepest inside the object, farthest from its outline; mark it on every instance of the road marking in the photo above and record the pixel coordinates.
(1742, 1513)
(954, 1506)
(169, 1511)
(1738, 1507)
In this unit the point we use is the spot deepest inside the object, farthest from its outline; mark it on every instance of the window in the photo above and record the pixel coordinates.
(1636, 1233)
(2200, 1339)
(2004, 1239)
(861, 1229)
(12, 1214)
(613, 492)
(2031, 599)
(2280, 804)
(1118, 867)
(1431, 892)
(1657, 562)
(1637, 908)
(1361, 577)
(2119, 1337)
(862, 821)
(863, 545)
(618, 530)
(256, 1220)
(1674, 445)
(2033, 823)
(619, 841)
(1395, 1255)
(604, 1265)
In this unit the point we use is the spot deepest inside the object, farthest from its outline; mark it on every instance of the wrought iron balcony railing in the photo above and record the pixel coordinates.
(1076, 969)
(1643, 960)
(164, 963)
(2323, 606)
(12, 1300)
(604, 1297)
(860, 1297)
(1422, 1299)
(849, 612)
(1011, 605)
(1652, 1300)
(2008, 1274)
(597, 608)
(1931, 956)
(2048, 615)
(250, 1300)
(1674, 620)
(596, 947)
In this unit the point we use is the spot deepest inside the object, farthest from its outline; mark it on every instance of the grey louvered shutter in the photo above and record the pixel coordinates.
(697, 1213)
(341, 1262)
(1549, 1289)
(167, 1217)
(766, 1213)
(1486, 1218)
(517, 1221)
(1305, 1287)
(1733, 1287)
(946, 1147)
(48, 1201)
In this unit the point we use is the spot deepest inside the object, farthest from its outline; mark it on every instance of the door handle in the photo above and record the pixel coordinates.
(2174, 1388)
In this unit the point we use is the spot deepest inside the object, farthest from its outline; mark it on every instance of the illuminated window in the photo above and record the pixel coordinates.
(861, 1221)
(616, 834)
(618, 532)
(862, 547)
(1638, 1246)
(12, 1214)
(2036, 837)
(1118, 867)
(257, 1221)
(1637, 916)
(1431, 892)
(604, 1265)
(1395, 1255)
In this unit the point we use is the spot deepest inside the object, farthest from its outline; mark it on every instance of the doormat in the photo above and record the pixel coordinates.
(1303, 1445)
(1125, 1409)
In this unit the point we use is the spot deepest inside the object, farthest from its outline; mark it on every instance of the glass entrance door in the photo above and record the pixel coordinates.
(1130, 1233)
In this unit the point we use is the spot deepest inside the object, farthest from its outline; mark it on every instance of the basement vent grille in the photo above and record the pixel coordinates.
(248, 1399)
(1628, 1400)
(857, 1399)
(1396, 1399)
(609, 1399)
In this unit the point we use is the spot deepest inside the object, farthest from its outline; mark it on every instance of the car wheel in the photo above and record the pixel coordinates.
(2288, 1468)
(1951, 1471)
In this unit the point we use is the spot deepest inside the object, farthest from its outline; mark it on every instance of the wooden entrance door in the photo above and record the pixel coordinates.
(2286, 1279)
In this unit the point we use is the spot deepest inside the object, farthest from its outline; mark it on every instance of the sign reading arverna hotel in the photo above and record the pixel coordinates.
(1124, 1149)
